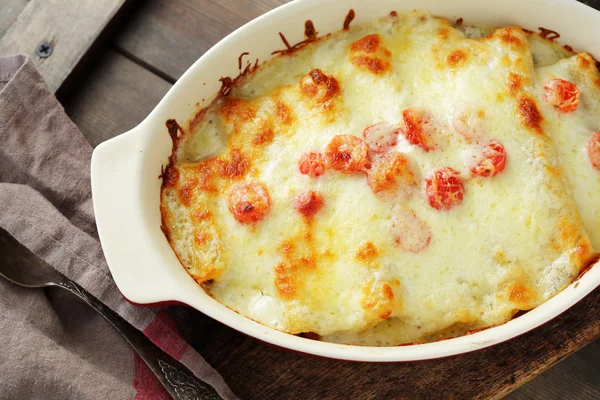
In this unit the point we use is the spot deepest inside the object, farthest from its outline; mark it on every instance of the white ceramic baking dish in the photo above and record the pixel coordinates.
(125, 169)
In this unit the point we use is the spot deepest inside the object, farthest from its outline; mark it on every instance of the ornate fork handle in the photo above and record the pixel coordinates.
(179, 381)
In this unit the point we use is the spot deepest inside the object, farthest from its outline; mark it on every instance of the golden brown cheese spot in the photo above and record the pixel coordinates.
(235, 167)
(368, 44)
(583, 61)
(283, 113)
(201, 237)
(207, 273)
(285, 281)
(204, 175)
(186, 191)
(297, 260)
(592, 67)
(456, 57)
(318, 86)
(391, 173)
(443, 32)
(297, 253)
(583, 253)
(568, 234)
(371, 64)
(171, 176)
(378, 300)
(367, 252)
(552, 171)
(309, 203)
(201, 214)
(506, 36)
(369, 55)
(530, 115)
(264, 136)
(388, 293)
(237, 111)
(515, 82)
(307, 262)
(500, 257)
(328, 254)
(286, 248)
(520, 295)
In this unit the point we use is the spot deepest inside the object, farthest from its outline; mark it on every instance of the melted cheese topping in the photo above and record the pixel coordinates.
(571, 133)
(341, 254)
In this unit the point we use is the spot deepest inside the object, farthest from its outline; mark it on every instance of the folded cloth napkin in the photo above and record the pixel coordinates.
(52, 346)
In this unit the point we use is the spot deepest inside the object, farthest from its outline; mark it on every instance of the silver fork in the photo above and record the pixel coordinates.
(19, 265)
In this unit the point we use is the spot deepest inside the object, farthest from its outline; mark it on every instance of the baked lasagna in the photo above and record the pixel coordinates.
(401, 181)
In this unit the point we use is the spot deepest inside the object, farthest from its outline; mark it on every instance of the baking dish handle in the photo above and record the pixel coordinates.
(125, 186)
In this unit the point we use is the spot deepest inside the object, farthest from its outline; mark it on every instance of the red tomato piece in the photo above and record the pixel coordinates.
(380, 137)
(312, 164)
(418, 128)
(308, 203)
(347, 153)
(249, 202)
(390, 173)
(562, 95)
(594, 150)
(491, 161)
(444, 188)
(409, 232)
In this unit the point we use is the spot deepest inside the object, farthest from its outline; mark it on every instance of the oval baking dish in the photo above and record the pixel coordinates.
(125, 170)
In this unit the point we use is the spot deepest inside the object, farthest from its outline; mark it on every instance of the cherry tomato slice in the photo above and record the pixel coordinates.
(312, 164)
(594, 150)
(347, 153)
(418, 128)
(444, 188)
(409, 232)
(390, 173)
(467, 122)
(562, 95)
(492, 160)
(380, 137)
(249, 202)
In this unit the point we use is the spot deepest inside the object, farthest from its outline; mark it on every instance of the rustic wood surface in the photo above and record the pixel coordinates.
(71, 27)
(157, 44)
(9, 11)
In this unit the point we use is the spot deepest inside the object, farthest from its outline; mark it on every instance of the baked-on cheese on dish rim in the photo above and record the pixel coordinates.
(400, 181)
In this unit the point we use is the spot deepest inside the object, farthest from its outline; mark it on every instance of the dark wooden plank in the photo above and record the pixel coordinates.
(70, 26)
(575, 378)
(487, 374)
(117, 95)
(592, 3)
(168, 36)
(9, 11)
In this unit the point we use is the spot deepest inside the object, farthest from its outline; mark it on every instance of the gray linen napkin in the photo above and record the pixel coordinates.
(52, 346)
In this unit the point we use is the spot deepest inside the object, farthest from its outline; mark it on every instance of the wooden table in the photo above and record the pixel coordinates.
(111, 68)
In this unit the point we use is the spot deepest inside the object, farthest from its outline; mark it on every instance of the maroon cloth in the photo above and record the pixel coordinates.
(52, 345)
